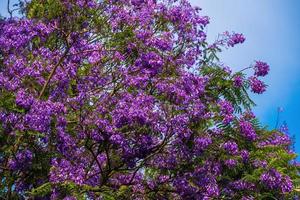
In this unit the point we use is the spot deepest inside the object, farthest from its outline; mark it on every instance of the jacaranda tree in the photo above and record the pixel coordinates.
(126, 99)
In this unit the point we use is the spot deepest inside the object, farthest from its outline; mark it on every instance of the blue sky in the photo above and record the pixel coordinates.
(272, 29)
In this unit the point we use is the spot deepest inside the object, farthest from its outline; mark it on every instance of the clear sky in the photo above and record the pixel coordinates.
(272, 29)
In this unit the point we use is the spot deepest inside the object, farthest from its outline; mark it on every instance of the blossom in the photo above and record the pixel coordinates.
(202, 143)
(274, 179)
(23, 99)
(230, 163)
(226, 107)
(247, 130)
(245, 155)
(231, 147)
(238, 81)
(234, 38)
(257, 86)
(23, 159)
(242, 185)
(226, 111)
(286, 185)
(276, 139)
(261, 68)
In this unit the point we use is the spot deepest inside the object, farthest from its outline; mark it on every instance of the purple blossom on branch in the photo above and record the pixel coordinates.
(257, 86)
(261, 68)
(234, 38)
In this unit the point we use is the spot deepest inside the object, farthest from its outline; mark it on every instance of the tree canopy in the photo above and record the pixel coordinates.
(126, 99)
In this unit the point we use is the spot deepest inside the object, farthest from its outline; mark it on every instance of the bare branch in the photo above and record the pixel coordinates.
(8, 9)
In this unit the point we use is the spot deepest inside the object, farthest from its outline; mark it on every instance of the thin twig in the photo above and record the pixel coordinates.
(8, 9)
(278, 118)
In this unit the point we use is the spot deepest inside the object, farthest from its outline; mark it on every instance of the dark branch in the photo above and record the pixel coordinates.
(52, 73)
(8, 9)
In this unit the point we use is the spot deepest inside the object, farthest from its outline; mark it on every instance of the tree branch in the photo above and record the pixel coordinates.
(4, 168)
(8, 9)
(52, 73)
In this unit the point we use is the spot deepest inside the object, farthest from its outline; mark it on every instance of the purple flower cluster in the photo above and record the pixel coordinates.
(261, 68)
(234, 38)
(63, 170)
(230, 163)
(247, 130)
(242, 185)
(276, 139)
(201, 143)
(231, 147)
(150, 62)
(23, 159)
(238, 81)
(257, 86)
(245, 155)
(226, 111)
(274, 180)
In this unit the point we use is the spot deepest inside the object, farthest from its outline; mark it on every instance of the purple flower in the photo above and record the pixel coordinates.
(261, 68)
(150, 61)
(225, 107)
(212, 190)
(271, 178)
(234, 38)
(226, 111)
(247, 130)
(276, 181)
(238, 81)
(227, 70)
(202, 143)
(23, 160)
(257, 86)
(245, 155)
(231, 147)
(24, 99)
(117, 139)
(286, 185)
(227, 119)
(230, 163)
(242, 185)
(276, 139)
